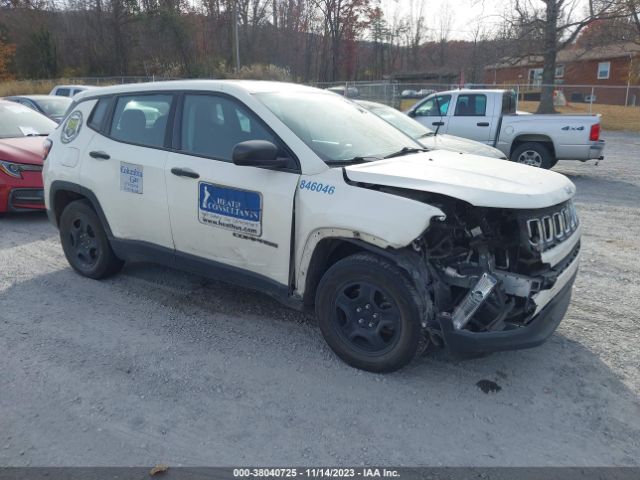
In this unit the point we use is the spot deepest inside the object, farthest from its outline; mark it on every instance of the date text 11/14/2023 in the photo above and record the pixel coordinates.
(315, 473)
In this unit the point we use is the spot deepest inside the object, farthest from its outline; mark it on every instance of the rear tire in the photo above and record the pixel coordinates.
(85, 242)
(369, 313)
(534, 154)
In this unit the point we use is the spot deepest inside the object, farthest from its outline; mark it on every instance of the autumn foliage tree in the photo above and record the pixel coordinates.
(7, 53)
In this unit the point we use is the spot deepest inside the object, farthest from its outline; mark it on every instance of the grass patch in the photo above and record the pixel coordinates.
(614, 117)
(26, 87)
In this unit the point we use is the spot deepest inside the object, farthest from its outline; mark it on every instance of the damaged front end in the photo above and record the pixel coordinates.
(500, 278)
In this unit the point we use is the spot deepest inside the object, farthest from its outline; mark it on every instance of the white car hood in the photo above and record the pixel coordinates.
(459, 144)
(480, 181)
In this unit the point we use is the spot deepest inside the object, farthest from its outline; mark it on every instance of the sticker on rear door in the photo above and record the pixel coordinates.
(131, 177)
(230, 208)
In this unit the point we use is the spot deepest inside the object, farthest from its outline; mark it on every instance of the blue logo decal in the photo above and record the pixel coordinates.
(230, 208)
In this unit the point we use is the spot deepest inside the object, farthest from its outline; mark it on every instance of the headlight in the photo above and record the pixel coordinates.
(15, 169)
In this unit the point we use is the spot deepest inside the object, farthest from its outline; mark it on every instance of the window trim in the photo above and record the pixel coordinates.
(173, 135)
(176, 144)
(608, 64)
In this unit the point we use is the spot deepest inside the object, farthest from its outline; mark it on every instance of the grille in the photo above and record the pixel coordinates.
(31, 196)
(552, 228)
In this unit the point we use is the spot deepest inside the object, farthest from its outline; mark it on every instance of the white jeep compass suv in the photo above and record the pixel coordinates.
(309, 197)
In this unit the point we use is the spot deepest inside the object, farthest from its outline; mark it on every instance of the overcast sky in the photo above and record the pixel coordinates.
(464, 13)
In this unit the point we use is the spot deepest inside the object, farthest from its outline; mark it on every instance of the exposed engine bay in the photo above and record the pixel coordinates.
(487, 264)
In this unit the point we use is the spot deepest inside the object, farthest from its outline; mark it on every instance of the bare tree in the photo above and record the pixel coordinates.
(632, 7)
(342, 19)
(545, 27)
(443, 31)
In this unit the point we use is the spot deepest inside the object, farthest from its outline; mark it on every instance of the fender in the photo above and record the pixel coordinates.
(59, 185)
(405, 258)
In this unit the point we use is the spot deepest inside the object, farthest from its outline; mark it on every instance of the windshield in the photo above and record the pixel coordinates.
(401, 121)
(19, 121)
(54, 106)
(336, 129)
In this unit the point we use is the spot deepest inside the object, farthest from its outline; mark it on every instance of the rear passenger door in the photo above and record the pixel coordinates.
(237, 216)
(471, 118)
(124, 165)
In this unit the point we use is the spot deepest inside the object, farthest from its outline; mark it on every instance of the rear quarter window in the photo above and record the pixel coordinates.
(509, 103)
(99, 114)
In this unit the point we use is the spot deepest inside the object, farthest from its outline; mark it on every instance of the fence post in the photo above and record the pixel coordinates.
(593, 89)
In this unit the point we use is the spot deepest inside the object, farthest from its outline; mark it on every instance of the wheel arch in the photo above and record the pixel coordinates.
(534, 138)
(62, 193)
(331, 249)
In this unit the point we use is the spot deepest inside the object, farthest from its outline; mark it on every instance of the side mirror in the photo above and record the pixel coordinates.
(258, 153)
(411, 113)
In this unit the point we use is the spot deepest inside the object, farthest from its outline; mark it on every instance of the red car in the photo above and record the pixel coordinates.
(21, 151)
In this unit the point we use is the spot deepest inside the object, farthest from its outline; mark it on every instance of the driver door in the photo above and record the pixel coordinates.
(237, 216)
(432, 112)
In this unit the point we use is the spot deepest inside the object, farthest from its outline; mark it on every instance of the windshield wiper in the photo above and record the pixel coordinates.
(354, 160)
(406, 151)
(428, 134)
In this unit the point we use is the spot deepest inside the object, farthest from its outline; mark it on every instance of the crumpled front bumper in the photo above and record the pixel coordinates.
(536, 332)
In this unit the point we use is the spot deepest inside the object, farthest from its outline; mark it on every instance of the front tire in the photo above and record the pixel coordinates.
(85, 242)
(534, 154)
(369, 313)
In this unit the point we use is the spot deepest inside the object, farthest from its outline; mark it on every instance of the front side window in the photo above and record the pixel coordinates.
(603, 70)
(63, 92)
(434, 107)
(141, 119)
(472, 105)
(336, 129)
(213, 125)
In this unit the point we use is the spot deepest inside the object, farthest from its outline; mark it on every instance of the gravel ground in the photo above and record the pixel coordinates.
(157, 366)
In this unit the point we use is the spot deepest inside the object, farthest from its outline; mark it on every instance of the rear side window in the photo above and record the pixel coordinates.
(471, 105)
(99, 113)
(141, 119)
(509, 103)
(213, 125)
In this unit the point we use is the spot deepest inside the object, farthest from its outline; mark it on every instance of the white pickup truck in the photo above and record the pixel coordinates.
(490, 116)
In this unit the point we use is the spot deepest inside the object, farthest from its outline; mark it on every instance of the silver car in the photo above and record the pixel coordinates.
(430, 139)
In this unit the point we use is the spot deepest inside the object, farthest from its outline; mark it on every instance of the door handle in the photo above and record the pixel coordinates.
(100, 155)
(437, 124)
(483, 124)
(184, 172)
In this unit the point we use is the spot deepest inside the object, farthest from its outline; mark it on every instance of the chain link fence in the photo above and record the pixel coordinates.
(395, 93)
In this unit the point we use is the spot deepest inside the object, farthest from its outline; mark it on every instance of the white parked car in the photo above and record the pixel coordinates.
(431, 139)
(490, 116)
(69, 90)
(340, 212)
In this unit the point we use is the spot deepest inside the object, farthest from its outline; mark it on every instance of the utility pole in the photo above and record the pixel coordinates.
(236, 42)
